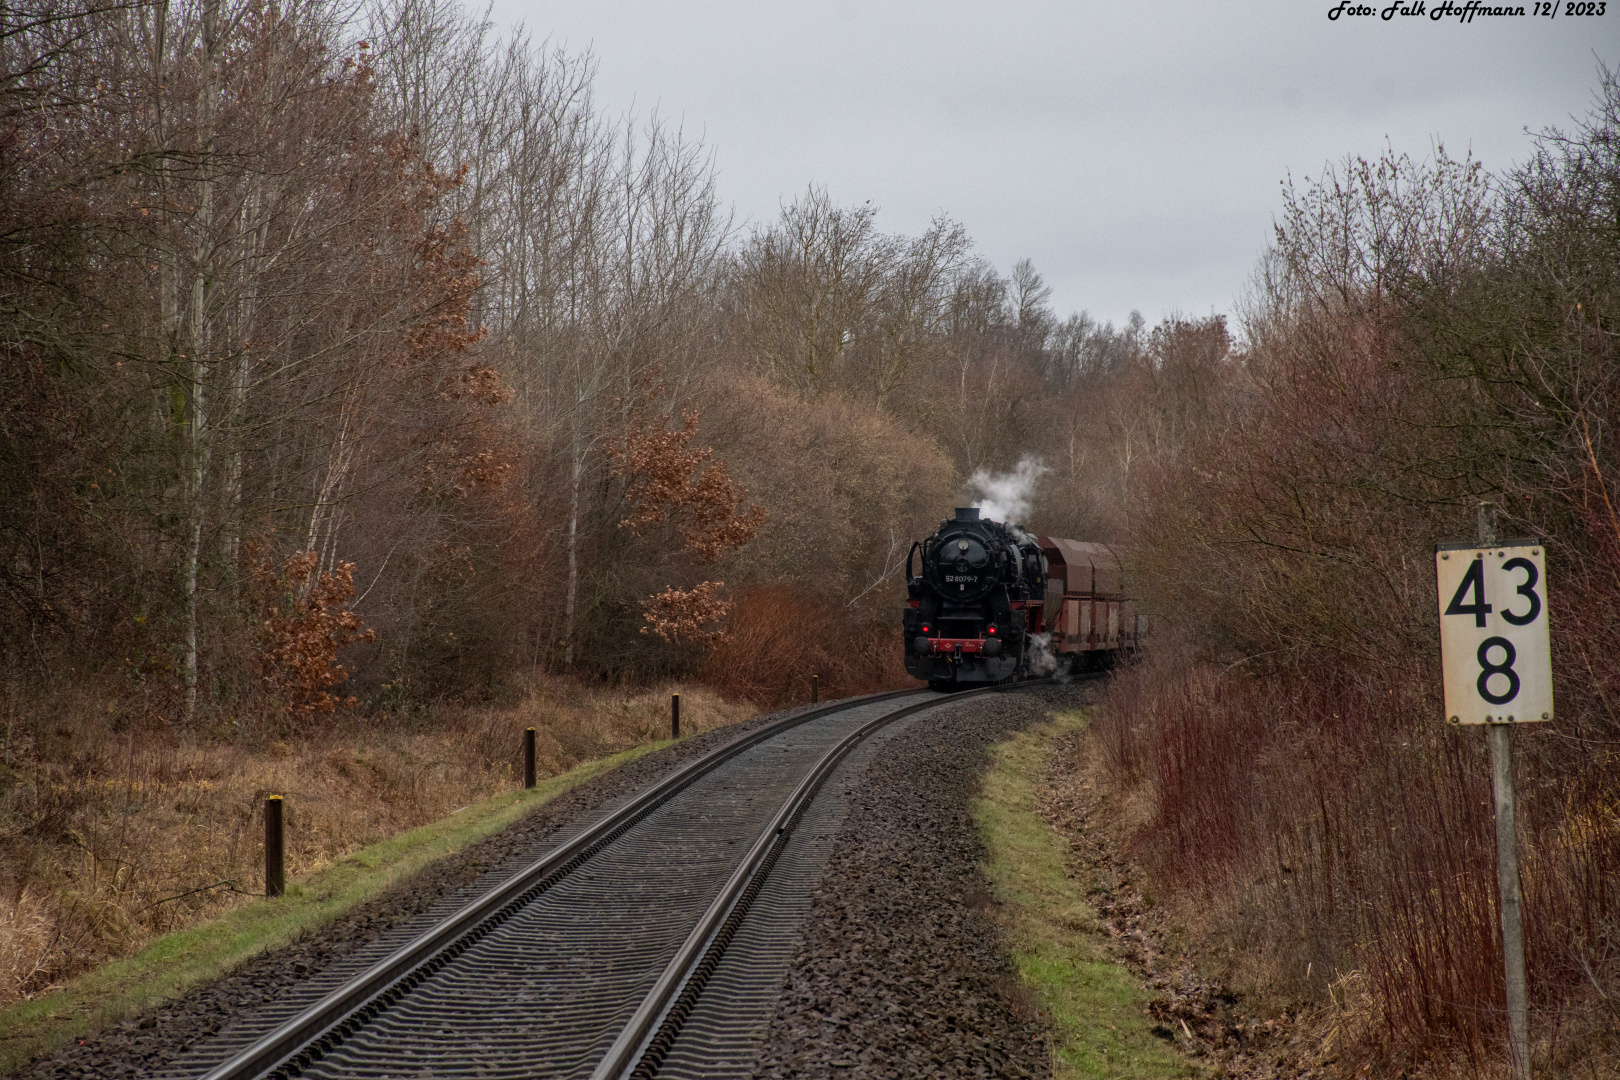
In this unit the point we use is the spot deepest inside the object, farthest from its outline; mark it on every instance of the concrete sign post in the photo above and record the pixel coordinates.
(1497, 662)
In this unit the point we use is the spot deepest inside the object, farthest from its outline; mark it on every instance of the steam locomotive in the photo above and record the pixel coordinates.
(989, 602)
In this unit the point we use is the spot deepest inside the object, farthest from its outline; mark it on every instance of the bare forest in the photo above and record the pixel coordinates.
(369, 392)
(366, 331)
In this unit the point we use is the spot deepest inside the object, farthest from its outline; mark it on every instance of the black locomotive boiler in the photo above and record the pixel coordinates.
(991, 602)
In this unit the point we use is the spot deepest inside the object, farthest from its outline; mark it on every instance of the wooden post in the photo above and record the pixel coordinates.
(815, 689)
(275, 861)
(675, 716)
(1507, 867)
(528, 757)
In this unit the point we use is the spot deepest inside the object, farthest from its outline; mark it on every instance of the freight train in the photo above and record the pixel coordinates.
(989, 602)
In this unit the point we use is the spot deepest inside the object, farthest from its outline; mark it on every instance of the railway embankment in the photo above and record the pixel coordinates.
(976, 918)
(979, 917)
(1130, 986)
(1051, 908)
(133, 1016)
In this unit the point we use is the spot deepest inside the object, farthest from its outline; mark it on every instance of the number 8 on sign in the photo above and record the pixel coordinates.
(1493, 632)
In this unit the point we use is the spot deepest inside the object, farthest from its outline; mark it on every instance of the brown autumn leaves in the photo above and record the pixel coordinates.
(669, 480)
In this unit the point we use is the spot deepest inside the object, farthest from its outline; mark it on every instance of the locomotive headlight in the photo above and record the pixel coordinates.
(992, 629)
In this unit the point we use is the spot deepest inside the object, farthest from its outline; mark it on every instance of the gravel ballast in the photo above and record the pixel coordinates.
(901, 970)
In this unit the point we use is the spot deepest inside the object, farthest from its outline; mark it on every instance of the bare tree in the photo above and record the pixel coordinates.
(823, 300)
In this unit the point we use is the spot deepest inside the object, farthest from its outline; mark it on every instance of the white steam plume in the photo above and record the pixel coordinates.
(1008, 497)
(1042, 660)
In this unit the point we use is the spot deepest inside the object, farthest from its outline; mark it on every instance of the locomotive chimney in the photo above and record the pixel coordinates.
(967, 513)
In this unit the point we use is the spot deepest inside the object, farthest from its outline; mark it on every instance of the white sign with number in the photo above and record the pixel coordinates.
(1494, 645)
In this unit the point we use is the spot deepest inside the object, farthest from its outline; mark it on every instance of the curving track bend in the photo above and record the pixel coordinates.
(564, 968)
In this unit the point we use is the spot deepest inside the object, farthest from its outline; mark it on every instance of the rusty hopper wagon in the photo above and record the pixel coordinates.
(1088, 611)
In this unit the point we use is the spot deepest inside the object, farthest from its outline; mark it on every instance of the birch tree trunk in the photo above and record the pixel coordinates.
(571, 600)
(196, 365)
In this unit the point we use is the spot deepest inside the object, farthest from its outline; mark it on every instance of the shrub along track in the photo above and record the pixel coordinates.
(901, 970)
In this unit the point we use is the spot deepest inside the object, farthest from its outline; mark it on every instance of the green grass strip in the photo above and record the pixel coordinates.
(174, 963)
(1095, 1008)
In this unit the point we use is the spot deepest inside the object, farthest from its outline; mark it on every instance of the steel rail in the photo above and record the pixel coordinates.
(647, 1037)
(290, 1048)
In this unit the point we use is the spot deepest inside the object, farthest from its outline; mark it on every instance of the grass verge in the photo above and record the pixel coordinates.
(176, 962)
(1096, 1008)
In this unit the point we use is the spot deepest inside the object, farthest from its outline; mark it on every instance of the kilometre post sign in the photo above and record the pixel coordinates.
(1493, 632)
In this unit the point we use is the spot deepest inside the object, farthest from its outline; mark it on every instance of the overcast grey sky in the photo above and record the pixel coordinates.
(1133, 151)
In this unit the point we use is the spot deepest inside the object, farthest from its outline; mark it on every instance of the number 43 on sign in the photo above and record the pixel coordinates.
(1494, 646)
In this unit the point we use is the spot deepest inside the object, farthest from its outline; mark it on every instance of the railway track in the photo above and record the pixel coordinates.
(649, 942)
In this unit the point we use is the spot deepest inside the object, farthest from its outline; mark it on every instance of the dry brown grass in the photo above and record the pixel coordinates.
(115, 828)
(1332, 847)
